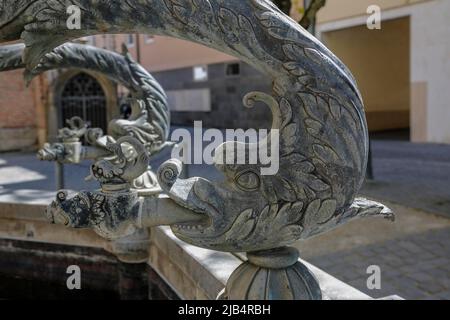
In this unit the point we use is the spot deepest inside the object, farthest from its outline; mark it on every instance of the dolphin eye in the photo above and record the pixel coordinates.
(248, 181)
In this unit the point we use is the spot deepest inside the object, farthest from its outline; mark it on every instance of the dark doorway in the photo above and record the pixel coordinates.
(380, 61)
(83, 96)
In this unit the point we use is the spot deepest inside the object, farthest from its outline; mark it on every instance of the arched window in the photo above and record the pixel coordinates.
(84, 97)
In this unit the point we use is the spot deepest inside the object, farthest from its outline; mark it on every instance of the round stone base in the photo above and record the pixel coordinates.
(272, 275)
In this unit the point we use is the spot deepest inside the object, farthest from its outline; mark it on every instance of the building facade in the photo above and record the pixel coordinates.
(402, 68)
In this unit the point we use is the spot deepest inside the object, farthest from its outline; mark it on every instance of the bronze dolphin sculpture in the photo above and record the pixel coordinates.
(317, 109)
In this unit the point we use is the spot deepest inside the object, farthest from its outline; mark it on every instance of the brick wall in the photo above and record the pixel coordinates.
(17, 112)
(16, 101)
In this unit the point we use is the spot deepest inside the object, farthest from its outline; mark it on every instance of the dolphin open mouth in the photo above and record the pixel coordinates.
(201, 226)
(197, 195)
(204, 201)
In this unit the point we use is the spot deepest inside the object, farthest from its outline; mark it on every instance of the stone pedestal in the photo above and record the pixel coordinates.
(272, 275)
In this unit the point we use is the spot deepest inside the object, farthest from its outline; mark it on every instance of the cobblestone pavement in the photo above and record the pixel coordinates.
(417, 175)
(414, 267)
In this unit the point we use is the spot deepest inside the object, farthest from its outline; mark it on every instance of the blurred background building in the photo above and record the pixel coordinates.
(403, 71)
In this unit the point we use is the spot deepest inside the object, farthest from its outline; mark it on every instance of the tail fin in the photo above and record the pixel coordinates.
(367, 208)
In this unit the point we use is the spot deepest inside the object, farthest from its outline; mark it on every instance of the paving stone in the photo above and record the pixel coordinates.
(403, 254)
(391, 273)
(413, 267)
(379, 250)
(325, 263)
(441, 275)
(446, 267)
(432, 264)
(412, 292)
(361, 264)
(421, 277)
(365, 253)
(353, 274)
(443, 295)
(411, 247)
(394, 261)
(431, 287)
(388, 289)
